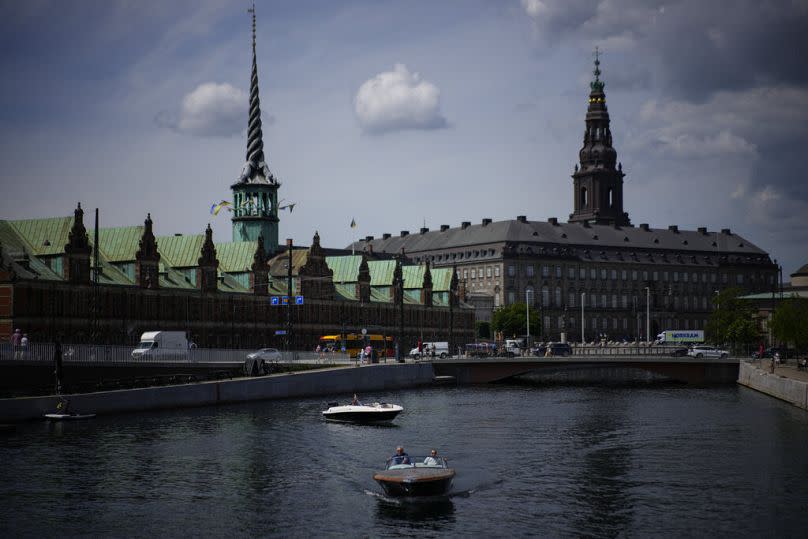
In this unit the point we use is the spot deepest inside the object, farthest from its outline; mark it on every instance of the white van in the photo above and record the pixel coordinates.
(162, 345)
(441, 349)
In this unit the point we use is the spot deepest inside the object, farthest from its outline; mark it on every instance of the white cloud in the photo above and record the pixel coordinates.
(210, 110)
(397, 100)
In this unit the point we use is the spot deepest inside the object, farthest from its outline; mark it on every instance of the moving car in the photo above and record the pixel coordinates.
(267, 354)
(556, 349)
(703, 350)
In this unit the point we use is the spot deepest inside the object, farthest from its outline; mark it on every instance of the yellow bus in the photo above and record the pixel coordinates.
(354, 342)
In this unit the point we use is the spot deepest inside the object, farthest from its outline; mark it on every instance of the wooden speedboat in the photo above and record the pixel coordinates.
(416, 476)
(378, 412)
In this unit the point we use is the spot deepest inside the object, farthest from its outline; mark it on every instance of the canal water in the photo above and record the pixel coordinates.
(530, 461)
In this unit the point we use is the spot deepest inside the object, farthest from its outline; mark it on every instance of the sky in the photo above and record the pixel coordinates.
(405, 114)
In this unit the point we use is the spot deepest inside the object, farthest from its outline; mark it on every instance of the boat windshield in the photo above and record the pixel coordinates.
(400, 463)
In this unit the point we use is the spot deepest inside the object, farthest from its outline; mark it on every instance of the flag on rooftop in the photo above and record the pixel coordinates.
(353, 223)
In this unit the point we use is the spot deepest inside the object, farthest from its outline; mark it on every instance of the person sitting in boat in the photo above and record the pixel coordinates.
(355, 401)
(432, 459)
(401, 457)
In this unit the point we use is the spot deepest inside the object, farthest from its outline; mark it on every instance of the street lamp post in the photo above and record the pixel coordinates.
(647, 314)
(289, 299)
(583, 299)
(527, 314)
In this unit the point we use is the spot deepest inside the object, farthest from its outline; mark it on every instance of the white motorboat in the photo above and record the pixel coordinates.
(378, 412)
(68, 417)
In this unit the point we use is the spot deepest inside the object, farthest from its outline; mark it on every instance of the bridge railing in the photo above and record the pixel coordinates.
(117, 354)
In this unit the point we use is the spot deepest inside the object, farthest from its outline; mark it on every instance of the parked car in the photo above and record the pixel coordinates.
(556, 349)
(267, 354)
(703, 350)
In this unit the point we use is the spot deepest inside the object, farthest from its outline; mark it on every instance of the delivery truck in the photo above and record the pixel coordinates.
(162, 346)
(680, 336)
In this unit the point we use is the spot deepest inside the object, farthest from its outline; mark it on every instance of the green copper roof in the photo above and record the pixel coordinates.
(118, 244)
(413, 276)
(381, 272)
(235, 256)
(180, 251)
(37, 232)
(441, 279)
(14, 246)
(380, 294)
(345, 291)
(345, 268)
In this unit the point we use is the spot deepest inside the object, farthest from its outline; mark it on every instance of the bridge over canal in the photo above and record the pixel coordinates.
(591, 369)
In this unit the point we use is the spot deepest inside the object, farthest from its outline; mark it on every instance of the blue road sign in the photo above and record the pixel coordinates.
(298, 300)
(280, 332)
(274, 300)
(285, 300)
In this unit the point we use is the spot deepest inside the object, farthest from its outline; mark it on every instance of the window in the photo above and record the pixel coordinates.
(645, 276)
(571, 273)
(488, 272)
(529, 271)
(739, 278)
(614, 303)
(583, 273)
(704, 302)
(530, 298)
(614, 275)
(584, 200)
(712, 277)
(625, 301)
(664, 275)
(624, 275)
(496, 271)
(685, 276)
(545, 271)
(558, 272)
(594, 323)
(614, 323)
(675, 276)
(511, 270)
(593, 273)
(496, 299)
(473, 274)
(545, 296)
(571, 299)
(625, 323)
(771, 279)
(593, 299)
(704, 277)
(685, 304)
(465, 274)
(655, 276)
(724, 278)
(634, 275)
(604, 302)
(603, 274)
(511, 297)
(558, 296)
(675, 303)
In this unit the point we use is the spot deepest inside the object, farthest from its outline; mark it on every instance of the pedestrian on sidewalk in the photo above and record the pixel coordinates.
(24, 345)
(16, 337)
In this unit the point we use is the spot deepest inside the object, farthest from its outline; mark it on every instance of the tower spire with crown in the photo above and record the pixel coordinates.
(255, 194)
(598, 185)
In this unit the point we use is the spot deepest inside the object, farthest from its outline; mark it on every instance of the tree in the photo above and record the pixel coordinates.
(790, 322)
(511, 320)
(483, 330)
(731, 320)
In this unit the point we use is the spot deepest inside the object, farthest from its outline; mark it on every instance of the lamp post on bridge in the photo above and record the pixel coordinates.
(583, 299)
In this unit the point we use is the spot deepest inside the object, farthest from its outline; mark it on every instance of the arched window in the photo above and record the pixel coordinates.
(584, 199)
(611, 198)
(558, 296)
(545, 296)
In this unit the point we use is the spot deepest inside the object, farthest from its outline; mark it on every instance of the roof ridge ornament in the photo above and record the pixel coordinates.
(597, 84)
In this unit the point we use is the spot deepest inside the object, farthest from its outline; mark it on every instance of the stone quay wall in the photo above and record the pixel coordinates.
(781, 387)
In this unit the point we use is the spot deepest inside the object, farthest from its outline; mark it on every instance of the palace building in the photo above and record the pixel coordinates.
(597, 273)
(108, 285)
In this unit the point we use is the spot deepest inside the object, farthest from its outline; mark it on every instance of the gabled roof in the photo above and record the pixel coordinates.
(180, 251)
(441, 279)
(118, 244)
(381, 272)
(568, 234)
(235, 256)
(36, 233)
(345, 268)
(413, 276)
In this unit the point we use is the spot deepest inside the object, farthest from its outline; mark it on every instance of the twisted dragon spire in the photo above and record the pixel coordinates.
(255, 170)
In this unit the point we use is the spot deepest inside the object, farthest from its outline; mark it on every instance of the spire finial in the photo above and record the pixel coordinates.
(597, 84)
(252, 10)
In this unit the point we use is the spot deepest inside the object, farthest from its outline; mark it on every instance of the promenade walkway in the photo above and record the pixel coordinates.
(786, 383)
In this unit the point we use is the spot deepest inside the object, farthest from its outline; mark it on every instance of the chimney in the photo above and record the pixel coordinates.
(424, 230)
(553, 221)
(368, 238)
(703, 230)
(405, 233)
(386, 236)
(644, 226)
(444, 228)
(465, 224)
(486, 221)
(674, 229)
(726, 231)
(521, 218)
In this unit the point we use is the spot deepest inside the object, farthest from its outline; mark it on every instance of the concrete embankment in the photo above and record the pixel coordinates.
(777, 385)
(344, 381)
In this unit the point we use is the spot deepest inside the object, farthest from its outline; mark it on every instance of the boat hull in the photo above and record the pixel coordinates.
(362, 417)
(416, 482)
(68, 417)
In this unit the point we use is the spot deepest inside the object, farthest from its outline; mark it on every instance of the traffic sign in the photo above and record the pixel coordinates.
(285, 300)
(280, 332)
(298, 300)
(274, 300)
